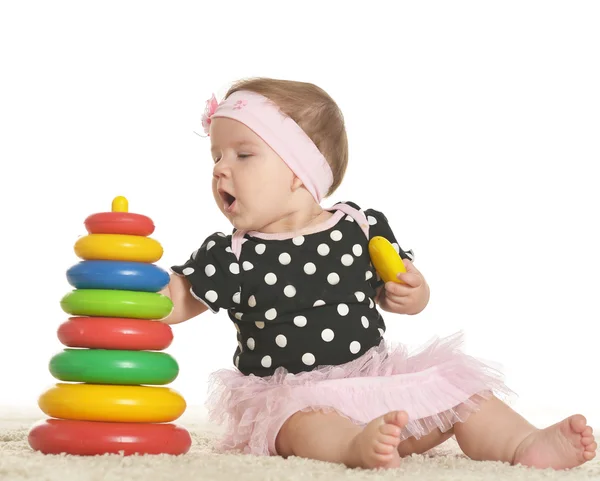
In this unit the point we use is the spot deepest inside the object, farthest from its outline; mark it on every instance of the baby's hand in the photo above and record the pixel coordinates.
(408, 298)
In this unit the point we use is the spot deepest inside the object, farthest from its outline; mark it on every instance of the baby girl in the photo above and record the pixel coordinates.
(313, 374)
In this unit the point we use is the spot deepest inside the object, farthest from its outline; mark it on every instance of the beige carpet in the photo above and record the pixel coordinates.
(19, 462)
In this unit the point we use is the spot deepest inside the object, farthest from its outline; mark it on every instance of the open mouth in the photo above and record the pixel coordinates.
(228, 200)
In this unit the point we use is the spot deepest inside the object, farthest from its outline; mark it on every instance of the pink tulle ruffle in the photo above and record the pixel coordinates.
(437, 386)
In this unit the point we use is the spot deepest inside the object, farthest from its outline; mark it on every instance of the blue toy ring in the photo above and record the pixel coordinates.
(120, 275)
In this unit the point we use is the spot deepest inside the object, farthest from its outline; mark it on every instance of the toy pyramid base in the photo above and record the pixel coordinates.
(90, 438)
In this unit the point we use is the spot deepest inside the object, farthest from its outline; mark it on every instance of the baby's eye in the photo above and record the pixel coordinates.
(244, 156)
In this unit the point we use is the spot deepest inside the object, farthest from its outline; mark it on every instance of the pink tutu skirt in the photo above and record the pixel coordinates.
(437, 386)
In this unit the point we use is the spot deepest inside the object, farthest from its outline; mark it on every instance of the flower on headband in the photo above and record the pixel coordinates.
(239, 104)
(211, 107)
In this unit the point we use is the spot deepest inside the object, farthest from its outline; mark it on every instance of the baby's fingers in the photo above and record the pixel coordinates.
(397, 290)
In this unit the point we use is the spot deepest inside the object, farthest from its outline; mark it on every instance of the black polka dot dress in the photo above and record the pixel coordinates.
(310, 337)
(299, 302)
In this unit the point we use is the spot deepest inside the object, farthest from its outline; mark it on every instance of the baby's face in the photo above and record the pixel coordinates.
(251, 184)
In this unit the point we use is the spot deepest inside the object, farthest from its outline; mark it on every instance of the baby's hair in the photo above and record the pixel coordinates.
(314, 111)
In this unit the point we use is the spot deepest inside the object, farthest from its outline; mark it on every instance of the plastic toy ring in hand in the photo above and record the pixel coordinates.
(385, 259)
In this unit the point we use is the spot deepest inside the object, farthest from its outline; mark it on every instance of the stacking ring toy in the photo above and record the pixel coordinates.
(109, 303)
(119, 221)
(118, 247)
(102, 366)
(115, 333)
(386, 260)
(105, 402)
(129, 276)
(86, 438)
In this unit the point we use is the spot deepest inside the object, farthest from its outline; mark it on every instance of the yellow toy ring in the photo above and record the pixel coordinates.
(118, 247)
(96, 402)
(385, 259)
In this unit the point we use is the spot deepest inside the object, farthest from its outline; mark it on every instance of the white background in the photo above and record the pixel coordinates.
(473, 125)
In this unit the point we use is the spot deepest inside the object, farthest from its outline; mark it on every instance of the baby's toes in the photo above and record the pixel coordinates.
(588, 431)
(390, 430)
(578, 424)
(386, 444)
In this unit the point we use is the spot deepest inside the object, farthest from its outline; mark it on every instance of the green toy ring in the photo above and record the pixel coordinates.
(103, 366)
(116, 303)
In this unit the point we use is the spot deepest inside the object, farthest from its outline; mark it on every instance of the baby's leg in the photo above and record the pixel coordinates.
(331, 437)
(496, 432)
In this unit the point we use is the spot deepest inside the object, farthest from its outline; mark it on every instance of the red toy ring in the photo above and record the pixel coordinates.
(119, 223)
(89, 438)
(115, 333)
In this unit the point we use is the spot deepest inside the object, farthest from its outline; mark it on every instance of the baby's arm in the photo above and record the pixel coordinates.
(185, 305)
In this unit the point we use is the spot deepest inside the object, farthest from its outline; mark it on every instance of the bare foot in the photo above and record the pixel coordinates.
(563, 445)
(376, 445)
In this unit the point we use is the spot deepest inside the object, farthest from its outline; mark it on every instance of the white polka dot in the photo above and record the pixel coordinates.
(308, 359)
(372, 220)
(371, 303)
(357, 250)
(228, 249)
(234, 268)
(271, 314)
(323, 249)
(319, 303)
(349, 218)
(327, 335)
(281, 340)
(396, 247)
(220, 234)
(237, 328)
(354, 347)
(252, 301)
(236, 297)
(259, 324)
(211, 296)
(241, 347)
(342, 309)
(310, 268)
(333, 278)
(250, 343)
(210, 270)
(187, 271)
(298, 240)
(336, 235)
(260, 248)
(238, 316)
(289, 291)
(360, 296)
(195, 254)
(368, 275)
(347, 260)
(237, 361)
(300, 321)
(266, 361)
(209, 245)
(365, 322)
(285, 258)
(270, 278)
(380, 331)
(247, 265)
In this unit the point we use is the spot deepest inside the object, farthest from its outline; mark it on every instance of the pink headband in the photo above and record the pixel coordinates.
(280, 132)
